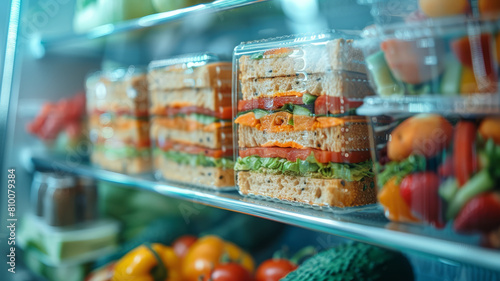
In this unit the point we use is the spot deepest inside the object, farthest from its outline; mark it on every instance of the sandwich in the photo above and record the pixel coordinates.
(191, 125)
(299, 138)
(119, 122)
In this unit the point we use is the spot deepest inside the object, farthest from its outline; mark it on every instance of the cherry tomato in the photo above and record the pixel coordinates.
(420, 192)
(229, 272)
(464, 151)
(182, 244)
(274, 269)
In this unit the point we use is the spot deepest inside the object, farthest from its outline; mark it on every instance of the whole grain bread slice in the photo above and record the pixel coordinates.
(329, 192)
(198, 175)
(342, 138)
(334, 83)
(337, 54)
(219, 138)
(215, 75)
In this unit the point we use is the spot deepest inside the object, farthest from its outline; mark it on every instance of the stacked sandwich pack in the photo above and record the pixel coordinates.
(191, 124)
(117, 105)
(299, 138)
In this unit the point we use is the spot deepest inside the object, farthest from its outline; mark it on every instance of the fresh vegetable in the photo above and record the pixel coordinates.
(480, 214)
(200, 159)
(292, 154)
(182, 244)
(229, 272)
(490, 129)
(448, 189)
(206, 254)
(381, 73)
(309, 167)
(407, 60)
(451, 80)
(268, 103)
(423, 134)
(309, 99)
(104, 273)
(399, 170)
(464, 151)
(166, 145)
(154, 262)
(334, 105)
(479, 183)
(420, 192)
(444, 8)
(354, 261)
(222, 112)
(274, 269)
(395, 206)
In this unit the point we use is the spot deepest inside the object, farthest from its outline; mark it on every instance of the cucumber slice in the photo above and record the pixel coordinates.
(308, 99)
(259, 113)
(448, 189)
(450, 82)
(382, 76)
(479, 183)
(299, 110)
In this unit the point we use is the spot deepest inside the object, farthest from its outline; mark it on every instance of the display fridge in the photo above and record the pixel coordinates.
(250, 140)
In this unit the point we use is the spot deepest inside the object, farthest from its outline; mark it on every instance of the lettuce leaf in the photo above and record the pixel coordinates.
(414, 163)
(196, 159)
(305, 168)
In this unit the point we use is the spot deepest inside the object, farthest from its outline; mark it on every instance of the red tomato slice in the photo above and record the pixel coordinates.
(464, 151)
(222, 113)
(334, 105)
(194, 149)
(292, 154)
(268, 103)
(464, 52)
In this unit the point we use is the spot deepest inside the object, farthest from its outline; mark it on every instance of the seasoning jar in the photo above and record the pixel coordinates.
(38, 189)
(60, 201)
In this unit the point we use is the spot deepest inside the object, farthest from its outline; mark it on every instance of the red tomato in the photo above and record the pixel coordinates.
(291, 154)
(334, 105)
(464, 53)
(229, 272)
(268, 103)
(182, 244)
(222, 113)
(420, 192)
(194, 149)
(464, 151)
(274, 269)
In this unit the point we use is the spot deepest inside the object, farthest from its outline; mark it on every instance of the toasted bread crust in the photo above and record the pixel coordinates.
(197, 175)
(345, 138)
(329, 192)
(338, 54)
(336, 83)
(214, 75)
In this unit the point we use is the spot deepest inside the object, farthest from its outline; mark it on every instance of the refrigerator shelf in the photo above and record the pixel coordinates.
(366, 225)
(86, 42)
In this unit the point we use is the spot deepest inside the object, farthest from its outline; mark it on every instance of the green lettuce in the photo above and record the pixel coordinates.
(412, 164)
(305, 168)
(196, 159)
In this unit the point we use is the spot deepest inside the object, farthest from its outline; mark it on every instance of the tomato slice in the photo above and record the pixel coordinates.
(464, 151)
(194, 149)
(292, 154)
(222, 113)
(268, 103)
(334, 105)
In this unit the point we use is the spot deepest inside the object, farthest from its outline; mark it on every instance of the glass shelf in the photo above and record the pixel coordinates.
(81, 41)
(368, 226)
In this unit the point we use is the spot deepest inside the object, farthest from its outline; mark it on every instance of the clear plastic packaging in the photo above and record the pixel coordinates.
(397, 11)
(299, 139)
(448, 57)
(191, 120)
(117, 105)
(438, 168)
